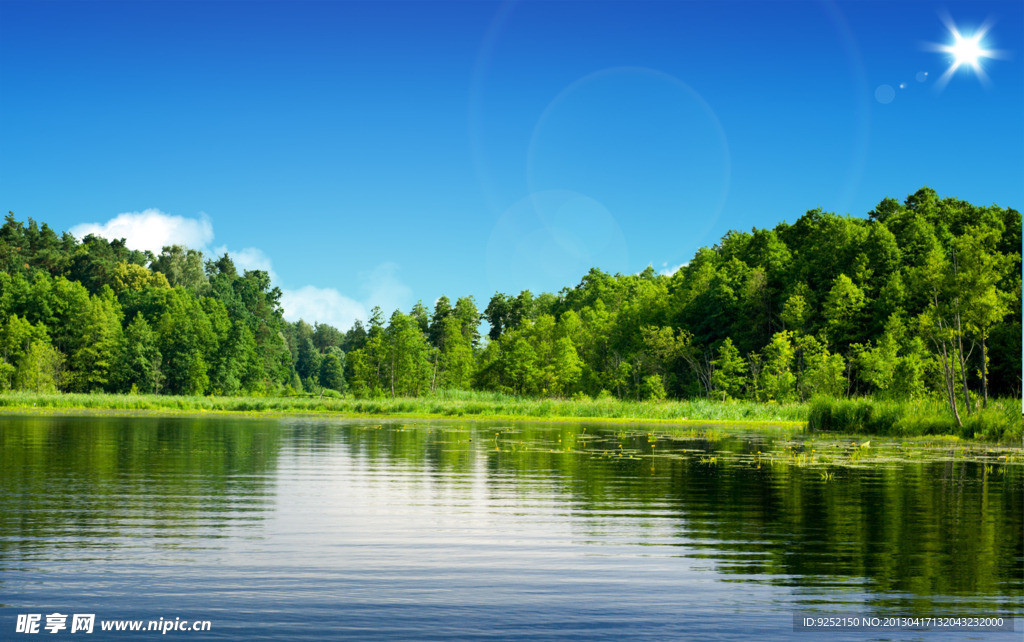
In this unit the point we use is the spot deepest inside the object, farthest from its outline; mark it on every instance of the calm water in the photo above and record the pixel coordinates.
(297, 529)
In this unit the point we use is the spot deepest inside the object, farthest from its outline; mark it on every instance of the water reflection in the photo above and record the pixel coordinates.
(399, 528)
(103, 483)
(927, 528)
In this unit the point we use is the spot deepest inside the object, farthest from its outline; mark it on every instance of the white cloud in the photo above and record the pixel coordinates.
(383, 288)
(666, 270)
(380, 285)
(250, 258)
(151, 230)
(325, 305)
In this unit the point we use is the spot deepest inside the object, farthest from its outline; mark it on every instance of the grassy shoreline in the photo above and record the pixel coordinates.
(999, 422)
(847, 416)
(478, 406)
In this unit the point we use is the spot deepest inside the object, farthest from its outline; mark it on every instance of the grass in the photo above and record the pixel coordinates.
(471, 404)
(1000, 421)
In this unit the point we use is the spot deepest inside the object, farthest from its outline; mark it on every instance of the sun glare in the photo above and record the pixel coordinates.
(965, 51)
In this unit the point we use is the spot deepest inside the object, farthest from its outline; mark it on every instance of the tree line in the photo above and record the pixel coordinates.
(921, 297)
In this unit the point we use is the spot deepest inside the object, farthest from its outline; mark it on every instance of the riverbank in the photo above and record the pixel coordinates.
(1000, 421)
(470, 405)
(862, 416)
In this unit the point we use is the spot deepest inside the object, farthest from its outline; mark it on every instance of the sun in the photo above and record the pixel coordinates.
(967, 51)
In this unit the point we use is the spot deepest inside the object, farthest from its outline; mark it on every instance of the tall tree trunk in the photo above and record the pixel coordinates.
(950, 376)
(962, 359)
(702, 366)
(433, 377)
(944, 347)
(984, 370)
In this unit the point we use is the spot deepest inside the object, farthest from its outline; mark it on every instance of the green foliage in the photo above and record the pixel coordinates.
(131, 277)
(919, 301)
(538, 359)
(469, 320)
(795, 313)
(823, 373)
(95, 343)
(182, 267)
(518, 365)
(842, 311)
(778, 382)
(332, 369)
(455, 361)
(6, 375)
(408, 368)
(307, 357)
(16, 336)
(140, 365)
(40, 369)
(652, 388)
(447, 403)
(1000, 422)
(729, 377)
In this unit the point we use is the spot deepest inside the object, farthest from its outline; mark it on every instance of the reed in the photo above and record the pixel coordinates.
(1000, 421)
(864, 416)
(449, 403)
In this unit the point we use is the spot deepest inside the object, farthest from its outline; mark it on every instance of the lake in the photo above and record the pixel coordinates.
(308, 528)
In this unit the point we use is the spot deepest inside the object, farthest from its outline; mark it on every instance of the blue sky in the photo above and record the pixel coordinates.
(388, 152)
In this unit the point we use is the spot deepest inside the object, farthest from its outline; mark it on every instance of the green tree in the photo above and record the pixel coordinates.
(942, 324)
(326, 336)
(795, 313)
(355, 337)
(93, 262)
(652, 388)
(497, 314)
(922, 297)
(95, 343)
(17, 336)
(132, 277)
(421, 316)
(519, 365)
(662, 348)
(408, 364)
(6, 375)
(442, 310)
(842, 311)
(822, 373)
(40, 368)
(469, 319)
(777, 378)
(186, 341)
(234, 365)
(308, 362)
(366, 366)
(454, 366)
(140, 363)
(730, 370)
(984, 304)
(183, 267)
(332, 369)
(567, 365)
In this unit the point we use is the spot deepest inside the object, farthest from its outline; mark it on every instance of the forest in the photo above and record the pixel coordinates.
(919, 299)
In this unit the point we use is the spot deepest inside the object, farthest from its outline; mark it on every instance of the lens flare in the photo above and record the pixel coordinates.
(965, 51)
